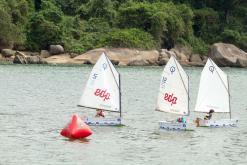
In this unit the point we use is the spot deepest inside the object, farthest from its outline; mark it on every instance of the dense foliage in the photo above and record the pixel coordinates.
(80, 25)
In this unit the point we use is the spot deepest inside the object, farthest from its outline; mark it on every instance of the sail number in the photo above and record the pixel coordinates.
(211, 69)
(170, 98)
(163, 82)
(102, 93)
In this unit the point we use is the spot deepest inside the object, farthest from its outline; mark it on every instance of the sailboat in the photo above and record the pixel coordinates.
(103, 91)
(173, 94)
(214, 94)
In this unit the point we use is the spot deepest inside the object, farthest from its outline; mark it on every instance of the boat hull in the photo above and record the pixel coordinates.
(171, 125)
(103, 121)
(218, 123)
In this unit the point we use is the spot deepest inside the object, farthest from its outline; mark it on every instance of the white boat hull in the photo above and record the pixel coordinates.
(171, 125)
(218, 123)
(103, 121)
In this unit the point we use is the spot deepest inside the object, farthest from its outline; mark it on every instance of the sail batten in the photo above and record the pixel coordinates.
(213, 90)
(173, 90)
(102, 90)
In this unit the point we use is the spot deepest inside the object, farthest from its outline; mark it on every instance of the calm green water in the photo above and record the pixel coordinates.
(37, 101)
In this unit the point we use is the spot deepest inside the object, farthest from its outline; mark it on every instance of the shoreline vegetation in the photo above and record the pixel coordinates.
(131, 32)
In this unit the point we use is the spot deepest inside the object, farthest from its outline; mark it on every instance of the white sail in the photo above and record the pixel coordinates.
(213, 90)
(173, 94)
(102, 89)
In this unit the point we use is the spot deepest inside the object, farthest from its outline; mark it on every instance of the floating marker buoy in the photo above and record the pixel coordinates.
(76, 129)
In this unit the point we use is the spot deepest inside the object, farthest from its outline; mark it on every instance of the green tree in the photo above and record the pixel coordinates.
(130, 38)
(70, 7)
(165, 21)
(7, 30)
(14, 18)
(44, 28)
(206, 24)
(99, 9)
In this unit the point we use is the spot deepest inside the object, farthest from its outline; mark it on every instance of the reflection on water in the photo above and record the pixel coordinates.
(36, 102)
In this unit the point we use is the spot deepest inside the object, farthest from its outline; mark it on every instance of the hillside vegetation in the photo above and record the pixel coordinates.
(81, 25)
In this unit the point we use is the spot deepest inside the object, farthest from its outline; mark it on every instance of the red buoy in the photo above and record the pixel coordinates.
(76, 129)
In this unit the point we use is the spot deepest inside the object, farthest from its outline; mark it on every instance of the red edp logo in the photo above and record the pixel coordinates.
(170, 98)
(102, 93)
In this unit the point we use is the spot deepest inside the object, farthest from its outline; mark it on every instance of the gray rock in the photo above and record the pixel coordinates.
(163, 61)
(56, 49)
(199, 64)
(44, 54)
(73, 55)
(180, 56)
(87, 62)
(164, 53)
(186, 50)
(122, 63)
(204, 59)
(35, 60)
(8, 52)
(138, 62)
(184, 63)
(195, 58)
(241, 63)
(21, 58)
(114, 62)
(171, 53)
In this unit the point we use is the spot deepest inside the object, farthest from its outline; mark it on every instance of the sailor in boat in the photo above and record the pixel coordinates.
(207, 117)
(100, 113)
(181, 119)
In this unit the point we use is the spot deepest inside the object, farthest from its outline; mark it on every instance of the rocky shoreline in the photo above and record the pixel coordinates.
(223, 55)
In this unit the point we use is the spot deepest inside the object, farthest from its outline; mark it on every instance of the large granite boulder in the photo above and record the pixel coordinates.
(120, 56)
(44, 53)
(8, 52)
(183, 53)
(164, 56)
(56, 49)
(162, 61)
(181, 56)
(195, 60)
(228, 55)
(177, 52)
(138, 61)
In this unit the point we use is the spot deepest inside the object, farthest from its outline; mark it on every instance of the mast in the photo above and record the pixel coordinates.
(120, 102)
(188, 96)
(229, 98)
